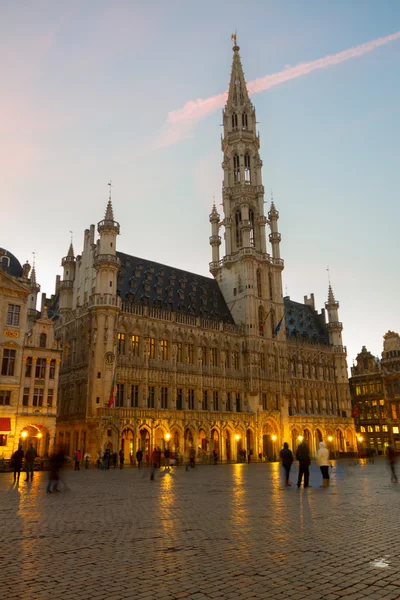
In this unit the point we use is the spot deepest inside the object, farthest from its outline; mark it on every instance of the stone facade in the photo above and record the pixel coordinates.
(30, 362)
(375, 392)
(225, 363)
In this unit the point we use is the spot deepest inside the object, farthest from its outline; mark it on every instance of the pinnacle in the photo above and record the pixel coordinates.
(331, 296)
(71, 251)
(33, 276)
(109, 216)
(238, 94)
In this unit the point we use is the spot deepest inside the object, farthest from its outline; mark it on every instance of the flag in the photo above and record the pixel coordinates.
(277, 328)
(355, 411)
(111, 402)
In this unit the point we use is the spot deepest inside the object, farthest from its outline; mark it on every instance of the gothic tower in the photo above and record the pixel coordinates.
(250, 279)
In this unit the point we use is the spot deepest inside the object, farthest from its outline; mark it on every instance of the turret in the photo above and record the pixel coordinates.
(66, 285)
(215, 239)
(34, 289)
(274, 236)
(106, 261)
(334, 325)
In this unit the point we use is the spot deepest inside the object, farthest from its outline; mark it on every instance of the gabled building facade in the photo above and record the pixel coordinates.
(30, 362)
(223, 363)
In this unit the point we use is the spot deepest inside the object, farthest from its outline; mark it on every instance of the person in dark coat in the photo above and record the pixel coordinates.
(17, 459)
(121, 459)
(139, 458)
(56, 463)
(286, 457)
(303, 456)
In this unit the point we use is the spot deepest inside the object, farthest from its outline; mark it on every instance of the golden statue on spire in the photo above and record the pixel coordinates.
(233, 37)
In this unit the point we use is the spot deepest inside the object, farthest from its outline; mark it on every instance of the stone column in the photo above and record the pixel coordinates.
(32, 384)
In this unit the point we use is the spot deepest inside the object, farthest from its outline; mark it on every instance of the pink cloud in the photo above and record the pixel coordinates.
(181, 122)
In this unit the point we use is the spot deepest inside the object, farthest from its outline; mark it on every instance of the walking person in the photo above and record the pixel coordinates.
(56, 462)
(17, 458)
(87, 458)
(215, 455)
(139, 458)
(98, 459)
(30, 457)
(303, 456)
(323, 463)
(121, 459)
(77, 460)
(391, 454)
(286, 457)
(115, 459)
(154, 463)
(192, 457)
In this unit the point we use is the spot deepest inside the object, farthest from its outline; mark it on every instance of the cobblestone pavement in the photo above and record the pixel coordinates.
(228, 531)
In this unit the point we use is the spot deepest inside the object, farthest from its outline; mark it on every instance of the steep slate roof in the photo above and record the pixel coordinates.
(161, 286)
(304, 323)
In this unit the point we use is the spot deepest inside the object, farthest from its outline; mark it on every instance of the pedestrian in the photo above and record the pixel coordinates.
(30, 457)
(323, 463)
(391, 454)
(87, 458)
(98, 459)
(286, 457)
(192, 457)
(56, 462)
(106, 461)
(131, 459)
(154, 463)
(166, 459)
(303, 456)
(16, 459)
(139, 458)
(215, 455)
(121, 459)
(77, 460)
(260, 456)
(249, 453)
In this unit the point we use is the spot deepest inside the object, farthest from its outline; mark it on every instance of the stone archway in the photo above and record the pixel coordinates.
(339, 440)
(295, 439)
(269, 440)
(38, 436)
(188, 441)
(127, 444)
(143, 442)
(318, 439)
(227, 444)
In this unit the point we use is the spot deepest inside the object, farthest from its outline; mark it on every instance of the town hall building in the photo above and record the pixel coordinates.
(223, 363)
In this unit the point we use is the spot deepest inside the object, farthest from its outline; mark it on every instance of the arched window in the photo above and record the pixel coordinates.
(271, 290)
(236, 169)
(244, 120)
(251, 219)
(247, 175)
(261, 320)
(258, 277)
(42, 341)
(238, 231)
(234, 121)
(5, 262)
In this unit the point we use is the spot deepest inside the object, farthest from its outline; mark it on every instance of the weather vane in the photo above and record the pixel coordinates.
(329, 275)
(233, 37)
(109, 193)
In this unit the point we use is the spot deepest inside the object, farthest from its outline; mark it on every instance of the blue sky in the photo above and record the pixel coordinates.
(86, 89)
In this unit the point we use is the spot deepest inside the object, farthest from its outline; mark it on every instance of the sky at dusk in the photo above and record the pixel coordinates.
(132, 92)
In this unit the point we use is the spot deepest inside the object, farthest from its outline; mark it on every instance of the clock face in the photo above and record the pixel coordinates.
(109, 358)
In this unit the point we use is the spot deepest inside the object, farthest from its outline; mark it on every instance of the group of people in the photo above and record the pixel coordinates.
(17, 460)
(303, 456)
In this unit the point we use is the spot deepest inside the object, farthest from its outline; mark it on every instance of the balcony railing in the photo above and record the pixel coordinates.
(101, 259)
(159, 413)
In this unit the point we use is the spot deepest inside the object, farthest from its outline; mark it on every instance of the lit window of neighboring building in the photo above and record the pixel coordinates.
(395, 430)
(135, 345)
(384, 428)
(370, 429)
(358, 390)
(394, 411)
(377, 428)
(362, 429)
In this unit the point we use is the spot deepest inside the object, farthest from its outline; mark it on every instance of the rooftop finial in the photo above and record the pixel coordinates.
(234, 39)
(109, 192)
(329, 275)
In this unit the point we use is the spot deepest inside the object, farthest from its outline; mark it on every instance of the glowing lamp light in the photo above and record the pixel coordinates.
(360, 439)
(237, 437)
(167, 436)
(24, 434)
(273, 438)
(39, 435)
(300, 438)
(330, 438)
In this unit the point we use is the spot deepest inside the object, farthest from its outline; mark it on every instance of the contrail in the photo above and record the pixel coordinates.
(181, 122)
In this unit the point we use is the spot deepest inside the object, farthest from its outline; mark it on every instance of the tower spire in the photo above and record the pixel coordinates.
(238, 95)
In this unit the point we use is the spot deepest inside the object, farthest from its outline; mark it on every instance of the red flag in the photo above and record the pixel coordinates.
(111, 402)
(355, 411)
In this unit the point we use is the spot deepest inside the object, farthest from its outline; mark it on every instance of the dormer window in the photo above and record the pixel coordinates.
(234, 121)
(236, 168)
(42, 341)
(247, 176)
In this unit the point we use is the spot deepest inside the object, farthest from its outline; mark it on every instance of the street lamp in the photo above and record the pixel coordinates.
(167, 436)
(24, 434)
(300, 438)
(39, 435)
(237, 438)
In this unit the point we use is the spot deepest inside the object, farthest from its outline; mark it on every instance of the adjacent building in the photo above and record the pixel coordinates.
(224, 363)
(30, 362)
(375, 391)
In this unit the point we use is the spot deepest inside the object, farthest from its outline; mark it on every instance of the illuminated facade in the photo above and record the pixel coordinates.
(375, 392)
(224, 363)
(30, 362)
